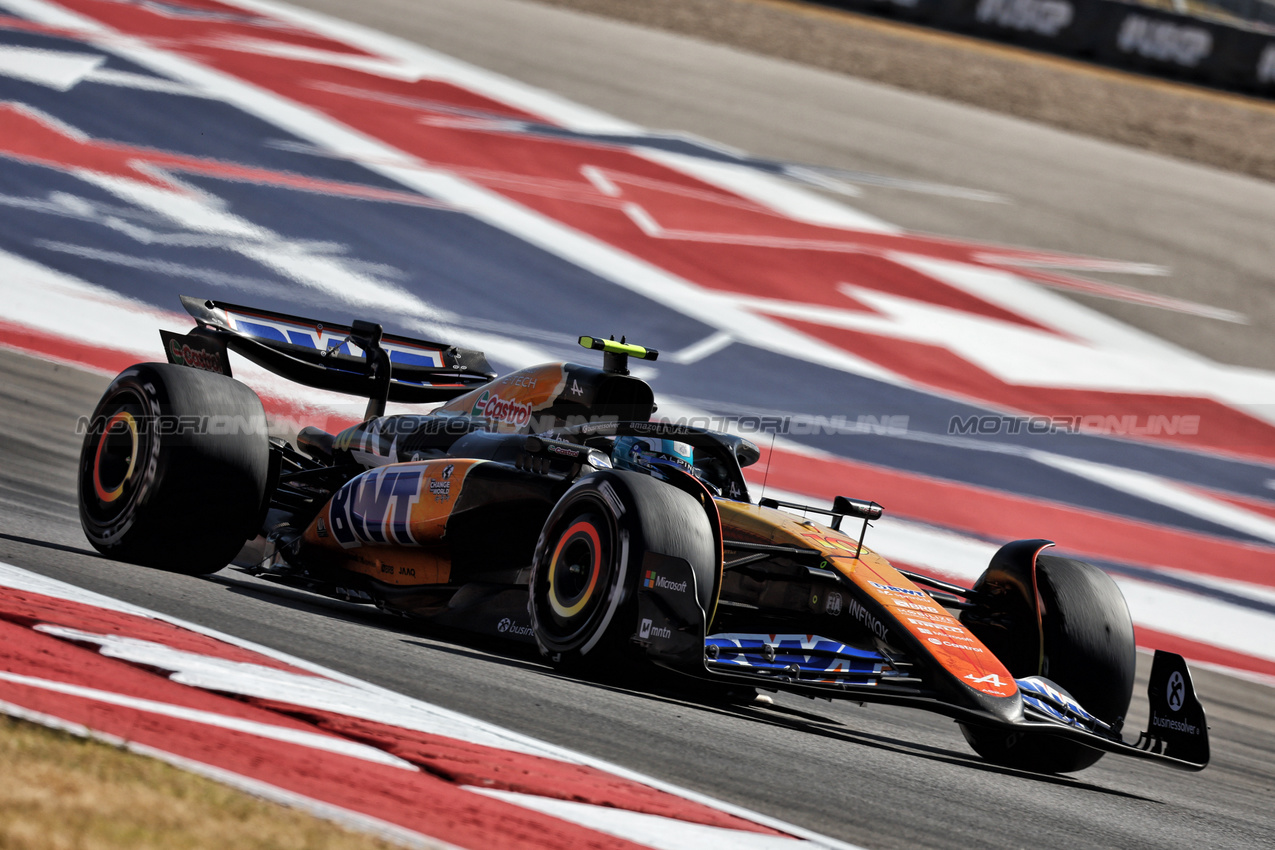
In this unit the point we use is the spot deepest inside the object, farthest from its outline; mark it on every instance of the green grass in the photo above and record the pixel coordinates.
(62, 792)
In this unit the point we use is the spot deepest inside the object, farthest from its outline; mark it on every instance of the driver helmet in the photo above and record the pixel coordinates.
(637, 453)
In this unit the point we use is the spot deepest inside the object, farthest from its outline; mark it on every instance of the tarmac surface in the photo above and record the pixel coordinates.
(875, 776)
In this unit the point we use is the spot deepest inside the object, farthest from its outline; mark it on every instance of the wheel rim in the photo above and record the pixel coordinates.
(577, 578)
(574, 569)
(115, 460)
(116, 457)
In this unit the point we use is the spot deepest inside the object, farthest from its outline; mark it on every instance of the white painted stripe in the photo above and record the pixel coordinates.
(1049, 309)
(654, 831)
(40, 298)
(54, 16)
(598, 178)
(343, 817)
(1199, 618)
(1194, 616)
(123, 79)
(56, 69)
(191, 208)
(1016, 353)
(607, 262)
(269, 683)
(64, 71)
(584, 251)
(1165, 609)
(1255, 592)
(257, 286)
(706, 347)
(327, 743)
(449, 723)
(1113, 291)
(550, 106)
(1164, 491)
(201, 213)
(326, 690)
(957, 557)
(639, 276)
(848, 182)
(639, 216)
(1133, 359)
(1247, 675)
(401, 71)
(773, 192)
(815, 177)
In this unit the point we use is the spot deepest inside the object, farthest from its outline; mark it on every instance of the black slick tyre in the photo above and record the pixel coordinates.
(589, 556)
(1089, 650)
(174, 468)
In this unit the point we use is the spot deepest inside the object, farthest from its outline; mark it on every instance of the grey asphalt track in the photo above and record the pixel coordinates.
(875, 776)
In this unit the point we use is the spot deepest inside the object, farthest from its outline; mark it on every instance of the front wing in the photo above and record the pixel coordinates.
(670, 628)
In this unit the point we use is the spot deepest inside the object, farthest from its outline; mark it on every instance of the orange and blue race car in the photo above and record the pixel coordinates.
(547, 506)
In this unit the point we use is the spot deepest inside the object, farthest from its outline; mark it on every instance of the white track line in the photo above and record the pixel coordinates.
(448, 723)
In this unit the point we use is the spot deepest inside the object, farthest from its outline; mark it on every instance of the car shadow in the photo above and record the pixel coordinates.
(508, 655)
(810, 724)
(670, 688)
(311, 603)
(46, 544)
(639, 680)
(448, 640)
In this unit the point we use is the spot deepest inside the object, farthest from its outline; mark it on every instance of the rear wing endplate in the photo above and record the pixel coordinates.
(358, 358)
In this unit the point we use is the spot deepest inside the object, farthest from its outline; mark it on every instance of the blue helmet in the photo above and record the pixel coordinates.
(637, 453)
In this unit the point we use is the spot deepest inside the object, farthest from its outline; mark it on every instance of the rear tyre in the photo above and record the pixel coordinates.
(1089, 651)
(583, 585)
(174, 469)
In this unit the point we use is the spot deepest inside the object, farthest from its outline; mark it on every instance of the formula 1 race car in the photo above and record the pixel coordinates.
(547, 506)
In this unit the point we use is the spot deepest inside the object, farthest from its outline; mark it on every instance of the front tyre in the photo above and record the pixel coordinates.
(584, 574)
(174, 468)
(1089, 650)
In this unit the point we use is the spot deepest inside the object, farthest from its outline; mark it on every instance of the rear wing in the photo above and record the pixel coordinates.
(358, 359)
